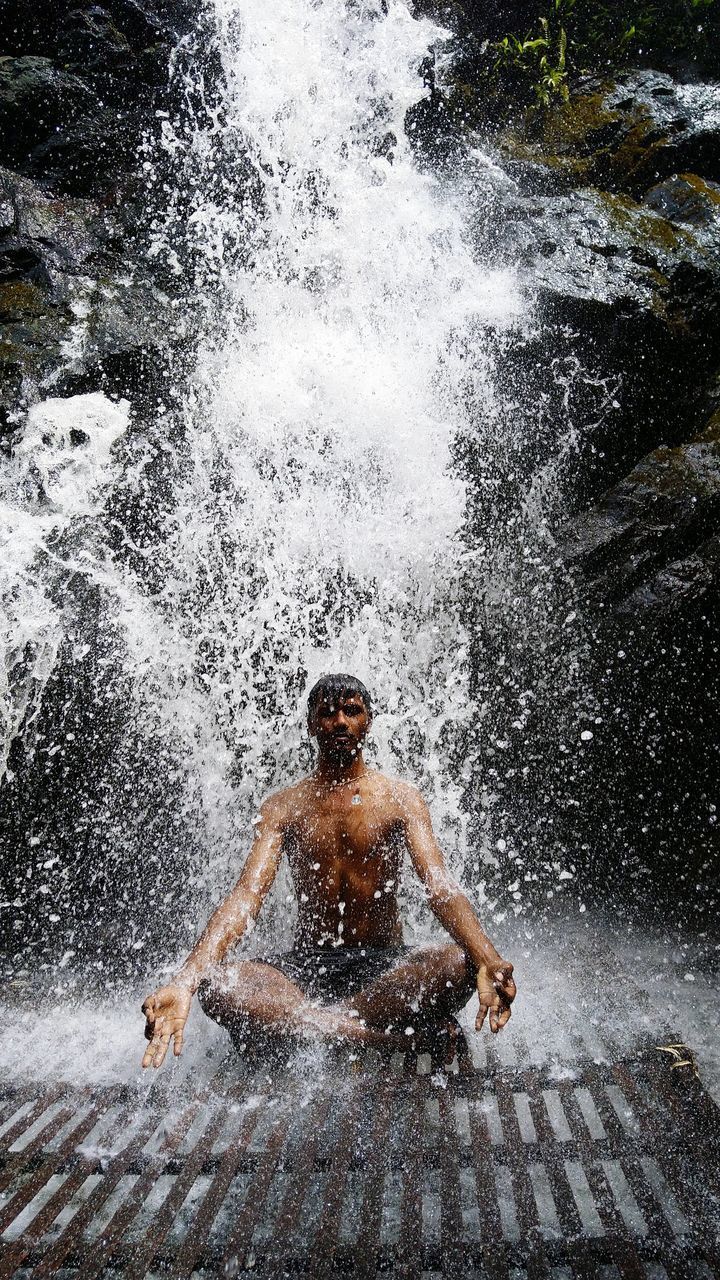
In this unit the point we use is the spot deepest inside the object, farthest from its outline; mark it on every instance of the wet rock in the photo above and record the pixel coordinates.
(685, 198)
(80, 85)
(68, 301)
(49, 27)
(36, 100)
(631, 301)
(651, 542)
(21, 300)
(55, 235)
(646, 564)
(89, 39)
(678, 587)
(95, 154)
(626, 136)
(29, 348)
(676, 123)
(597, 247)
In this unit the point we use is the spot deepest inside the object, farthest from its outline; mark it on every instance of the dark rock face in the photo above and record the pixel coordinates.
(35, 99)
(635, 296)
(622, 243)
(654, 530)
(83, 308)
(67, 305)
(621, 240)
(82, 84)
(625, 136)
(79, 89)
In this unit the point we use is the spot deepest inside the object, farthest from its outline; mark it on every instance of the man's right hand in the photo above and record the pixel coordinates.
(496, 991)
(166, 1012)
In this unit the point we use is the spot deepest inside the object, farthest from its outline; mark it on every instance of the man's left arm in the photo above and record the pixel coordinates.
(495, 984)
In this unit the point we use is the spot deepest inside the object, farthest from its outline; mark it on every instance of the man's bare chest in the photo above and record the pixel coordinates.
(347, 835)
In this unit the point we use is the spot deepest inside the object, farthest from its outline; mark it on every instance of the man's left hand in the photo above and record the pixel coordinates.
(496, 991)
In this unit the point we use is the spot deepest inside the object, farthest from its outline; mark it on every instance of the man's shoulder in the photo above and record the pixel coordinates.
(281, 800)
(397, 789)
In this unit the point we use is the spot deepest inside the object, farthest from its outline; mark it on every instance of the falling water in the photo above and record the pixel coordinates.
(318, 518)
(299, 504)
(346, 472)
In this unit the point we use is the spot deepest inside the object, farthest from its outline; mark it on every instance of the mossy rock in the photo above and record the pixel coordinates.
(21, 299)
(578, 128)
(627, 136)
(582, 140)
(686, 198)
(660, 514)
(31, 343)
(711, 433)
(662, 239)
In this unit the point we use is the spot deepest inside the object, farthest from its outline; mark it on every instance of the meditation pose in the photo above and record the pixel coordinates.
(345, 830)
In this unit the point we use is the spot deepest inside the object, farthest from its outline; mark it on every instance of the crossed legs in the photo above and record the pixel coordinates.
(252, 998)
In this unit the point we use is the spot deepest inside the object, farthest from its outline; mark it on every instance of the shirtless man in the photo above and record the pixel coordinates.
(344, 830)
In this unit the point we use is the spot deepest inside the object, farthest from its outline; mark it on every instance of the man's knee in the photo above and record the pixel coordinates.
(220, 995)
(210, 998)
(459, 968)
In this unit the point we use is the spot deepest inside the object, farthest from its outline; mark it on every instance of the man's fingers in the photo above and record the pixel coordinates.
(156, 1051)
(151, 1053)
(499, 1013)
(503, 1017)
(506, 983)
(481, 1013)
(165, 1015)
(161, 1048)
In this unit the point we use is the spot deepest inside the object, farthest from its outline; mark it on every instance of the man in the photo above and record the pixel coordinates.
(345, 830)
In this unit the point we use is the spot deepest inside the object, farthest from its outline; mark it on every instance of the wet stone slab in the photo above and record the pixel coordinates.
(405, 1167)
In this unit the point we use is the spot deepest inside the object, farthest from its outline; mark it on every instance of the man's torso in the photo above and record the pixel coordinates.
(345, 846)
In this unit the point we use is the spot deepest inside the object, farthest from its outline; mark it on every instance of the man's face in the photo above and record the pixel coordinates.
(340, 723)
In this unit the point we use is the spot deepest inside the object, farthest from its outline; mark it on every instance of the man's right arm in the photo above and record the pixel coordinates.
(230, 921)
(166, 1010)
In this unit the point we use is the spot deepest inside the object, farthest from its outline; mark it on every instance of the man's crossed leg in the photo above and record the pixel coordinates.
(418, 994)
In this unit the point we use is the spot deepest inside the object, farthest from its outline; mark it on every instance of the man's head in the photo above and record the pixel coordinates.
(339, 715)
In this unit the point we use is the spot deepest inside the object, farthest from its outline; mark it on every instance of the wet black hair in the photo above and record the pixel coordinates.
(328, 686)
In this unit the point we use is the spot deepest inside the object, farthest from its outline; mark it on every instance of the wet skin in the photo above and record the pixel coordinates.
(344, 830)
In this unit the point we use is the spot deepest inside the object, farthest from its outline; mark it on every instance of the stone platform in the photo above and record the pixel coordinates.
(402, 1167)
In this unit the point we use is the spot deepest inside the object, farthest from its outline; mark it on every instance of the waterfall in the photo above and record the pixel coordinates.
(301, 507)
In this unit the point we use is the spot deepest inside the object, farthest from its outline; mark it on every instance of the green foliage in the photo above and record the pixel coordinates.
(574, 36)
(541, 56)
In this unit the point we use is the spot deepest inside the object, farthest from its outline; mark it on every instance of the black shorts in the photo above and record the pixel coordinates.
(336, 973)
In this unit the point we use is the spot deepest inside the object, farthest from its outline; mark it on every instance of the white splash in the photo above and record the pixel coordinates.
(58, 480)
(315, 515)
